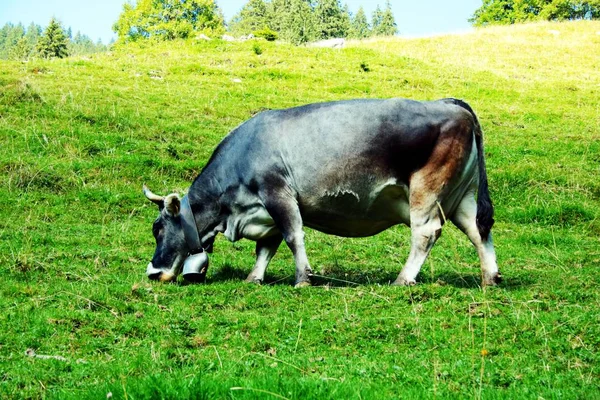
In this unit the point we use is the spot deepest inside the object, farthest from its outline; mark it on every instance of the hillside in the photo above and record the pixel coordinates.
(79, 137)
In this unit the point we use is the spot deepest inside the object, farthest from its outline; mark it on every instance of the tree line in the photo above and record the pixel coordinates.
(515, 11)
(296, 21)
(20, 43)
(301, 21)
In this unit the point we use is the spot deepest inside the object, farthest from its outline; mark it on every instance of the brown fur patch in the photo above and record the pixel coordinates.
(448, 157)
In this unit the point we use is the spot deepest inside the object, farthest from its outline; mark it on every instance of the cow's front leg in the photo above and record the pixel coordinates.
(265, 250)
(284, 210)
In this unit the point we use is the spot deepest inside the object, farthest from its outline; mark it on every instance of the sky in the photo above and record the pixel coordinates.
(95, 18)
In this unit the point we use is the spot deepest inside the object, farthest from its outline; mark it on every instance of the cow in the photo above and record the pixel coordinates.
(348, 168)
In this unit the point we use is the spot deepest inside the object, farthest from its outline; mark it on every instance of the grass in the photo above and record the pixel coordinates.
(79, 137)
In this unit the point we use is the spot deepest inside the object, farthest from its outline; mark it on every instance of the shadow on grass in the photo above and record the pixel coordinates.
(473, 281)
(228, 272)
(341, 277)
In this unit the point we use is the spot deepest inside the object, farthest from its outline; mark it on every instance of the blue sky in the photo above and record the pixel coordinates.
(95, 18)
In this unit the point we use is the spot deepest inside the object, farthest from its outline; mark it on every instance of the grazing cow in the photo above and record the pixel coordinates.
(348, 168)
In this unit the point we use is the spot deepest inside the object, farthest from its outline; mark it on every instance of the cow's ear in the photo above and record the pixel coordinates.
(173, 204)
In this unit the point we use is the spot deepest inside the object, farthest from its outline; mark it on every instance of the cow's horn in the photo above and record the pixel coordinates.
(153, 197)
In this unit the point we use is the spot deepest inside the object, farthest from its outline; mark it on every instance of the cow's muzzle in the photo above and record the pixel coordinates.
(159, 275)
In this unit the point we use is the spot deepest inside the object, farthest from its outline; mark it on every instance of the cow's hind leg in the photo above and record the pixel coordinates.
(265, 250)
(426, 228)
(465, 219)
(428, 187)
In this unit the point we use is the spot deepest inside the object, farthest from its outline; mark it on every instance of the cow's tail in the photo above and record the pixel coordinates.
(485, 208)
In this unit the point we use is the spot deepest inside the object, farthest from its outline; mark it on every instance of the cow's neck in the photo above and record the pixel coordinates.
(190, 227)
(203, 198)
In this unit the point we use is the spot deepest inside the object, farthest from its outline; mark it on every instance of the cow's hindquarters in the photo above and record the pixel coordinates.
(431, 188)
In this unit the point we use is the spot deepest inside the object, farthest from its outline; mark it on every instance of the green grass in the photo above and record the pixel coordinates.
(79, 137)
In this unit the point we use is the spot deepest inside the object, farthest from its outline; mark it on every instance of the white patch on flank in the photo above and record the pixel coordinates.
(253, 223)
(342, 192)
(248, 218)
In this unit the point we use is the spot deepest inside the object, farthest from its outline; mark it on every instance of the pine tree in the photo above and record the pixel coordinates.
(21, 50)
(346, 21)
(16, 33)
(376, 20)
(388, 25)
(33, 34)
(298, 23)
(252, 17)
(360, 26)
(10, 35)
(99, 46)
(53, 43)
(330, 19)
(81, 44)
(3, 35)
(277, 11)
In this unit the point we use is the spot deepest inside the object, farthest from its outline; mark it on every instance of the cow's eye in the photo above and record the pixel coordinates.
(156, 229)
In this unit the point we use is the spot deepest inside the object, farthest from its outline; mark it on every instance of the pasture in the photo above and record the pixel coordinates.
(79, 137)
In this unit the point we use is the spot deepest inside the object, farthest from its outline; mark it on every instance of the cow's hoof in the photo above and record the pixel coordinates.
(253, 279)
(493, 280)
(302, 284)
(404, 282)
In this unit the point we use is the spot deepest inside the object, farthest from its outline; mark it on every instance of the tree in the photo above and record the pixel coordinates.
(346, 21)
(33, 34)
(494, 12)
(276, 10)
(53, 42)
(360, 26)
(16, 33)
(9, 37)
(100, 46)
(81, 44)
(387, 26)
(332, 20)
(559, 10)
(376, 19)
(167, 19)
(512, 11)
(21, 50)
(251, 18)
(298, 22)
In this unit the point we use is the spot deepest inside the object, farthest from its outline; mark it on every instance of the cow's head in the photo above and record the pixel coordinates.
(172, 250)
